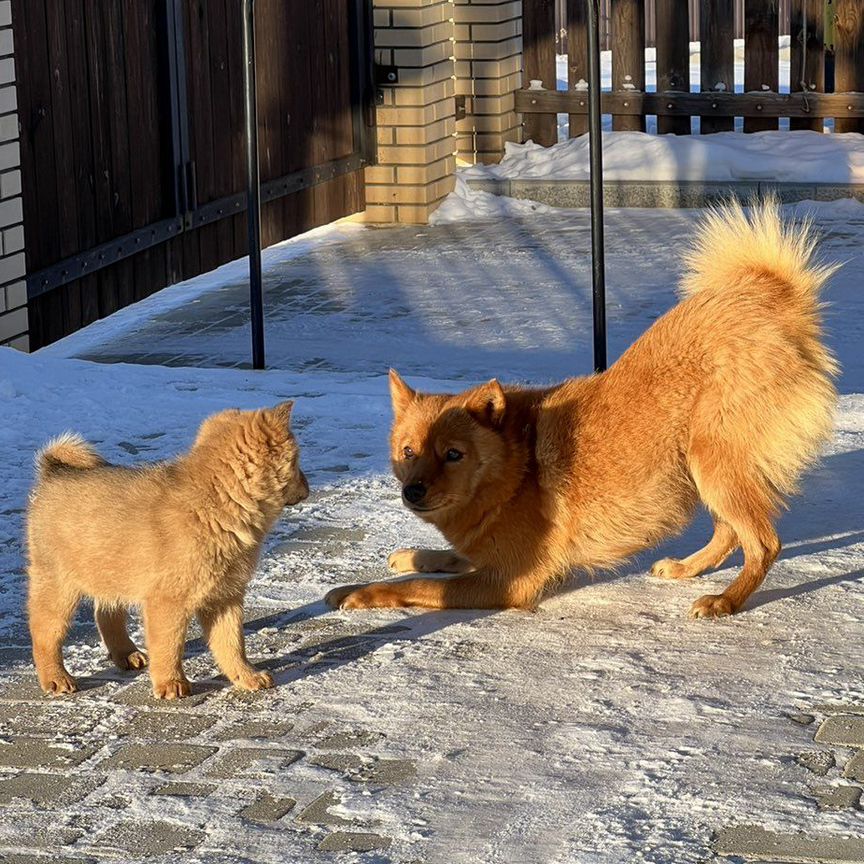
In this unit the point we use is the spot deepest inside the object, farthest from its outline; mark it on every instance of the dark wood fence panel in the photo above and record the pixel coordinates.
(848, 55)
(628, 59)
(577, 56)
(717, 57)
(98, 106)
(538, 60)
(673, 58)
(807, 55)
(760, 55)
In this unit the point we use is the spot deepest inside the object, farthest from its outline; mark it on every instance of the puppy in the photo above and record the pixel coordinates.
(177, 538)
(724, 400)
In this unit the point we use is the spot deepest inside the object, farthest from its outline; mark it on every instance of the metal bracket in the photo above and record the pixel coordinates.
(385, 76)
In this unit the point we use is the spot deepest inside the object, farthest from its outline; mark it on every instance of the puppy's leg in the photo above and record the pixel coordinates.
(428, 561)
(713, 554)
(482, 589)
(738, 495)
(223, 629)
(165, 630)
(111, 621)
(51, 605)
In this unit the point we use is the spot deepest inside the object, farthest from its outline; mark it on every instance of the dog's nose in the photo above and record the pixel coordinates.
(414, 493)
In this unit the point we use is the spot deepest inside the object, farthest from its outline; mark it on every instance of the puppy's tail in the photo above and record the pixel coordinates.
(731, 247)
(68, 450)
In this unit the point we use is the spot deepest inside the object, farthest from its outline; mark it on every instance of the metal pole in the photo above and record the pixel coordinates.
(253, 185)
(595, 147)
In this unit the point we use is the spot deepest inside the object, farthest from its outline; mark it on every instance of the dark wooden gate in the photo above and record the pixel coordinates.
(132, 142)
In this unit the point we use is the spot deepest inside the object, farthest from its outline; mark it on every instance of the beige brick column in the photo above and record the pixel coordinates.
(488, 72)
(416, 123)
(13, 289)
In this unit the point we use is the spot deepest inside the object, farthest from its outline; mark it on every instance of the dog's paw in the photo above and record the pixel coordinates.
(133, 660)
(712, 606)
(59, 684)
(174, 688)
(336, 598)
(669, 568)
(402, 561)
(254, 680)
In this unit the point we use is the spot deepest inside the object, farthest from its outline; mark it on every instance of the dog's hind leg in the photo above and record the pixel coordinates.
(428, 561)
(51, 605)
(738, 495)
(713, 554)
(111, 621)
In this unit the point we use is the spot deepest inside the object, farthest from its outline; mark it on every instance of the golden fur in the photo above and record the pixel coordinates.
(177, 538)
(725, 399)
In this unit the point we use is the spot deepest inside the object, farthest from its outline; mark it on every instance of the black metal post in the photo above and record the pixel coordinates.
(595, 147)
(253, 185)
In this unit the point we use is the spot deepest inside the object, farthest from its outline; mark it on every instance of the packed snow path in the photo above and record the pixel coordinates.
(606, 727)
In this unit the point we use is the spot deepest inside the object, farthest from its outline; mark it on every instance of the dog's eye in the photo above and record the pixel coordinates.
(454, 455)
(407, 452)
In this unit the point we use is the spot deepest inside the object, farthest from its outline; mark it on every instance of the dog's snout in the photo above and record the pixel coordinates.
(414, 493)
(305, 484)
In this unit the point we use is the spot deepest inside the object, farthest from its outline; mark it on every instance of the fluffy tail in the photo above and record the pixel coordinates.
(68, 450)
(732, 244)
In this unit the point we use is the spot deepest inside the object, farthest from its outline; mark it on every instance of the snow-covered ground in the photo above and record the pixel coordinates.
(607, 727)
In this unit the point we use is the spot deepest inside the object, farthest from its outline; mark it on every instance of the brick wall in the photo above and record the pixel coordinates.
(13, 290)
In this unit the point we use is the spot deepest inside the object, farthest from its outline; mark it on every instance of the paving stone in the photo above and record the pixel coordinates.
(329, 532)
(46, 790)
(843, 729)
(854, 769)
(141, 695)
(346, 841)
(27, 689)
(820, 762)
(345, 762)
(171, 758)
(184, 790)
(40, 837)
(252, 729)
(147, 839)
(253, 762)
(386, 772)
(168, 725)
(837, 797)
(751, 841)
(318, 813)
(49, 718)
(268, 809)
(840, 708)
(16, 858)
(36, 753)
(341, 740)
(800, 718)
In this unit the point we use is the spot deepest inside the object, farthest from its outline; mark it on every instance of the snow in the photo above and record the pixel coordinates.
(801, 156)
(606, 727)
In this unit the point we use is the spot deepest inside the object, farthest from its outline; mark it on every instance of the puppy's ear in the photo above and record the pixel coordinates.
(282, 412)
(487, 403)
(400, 393)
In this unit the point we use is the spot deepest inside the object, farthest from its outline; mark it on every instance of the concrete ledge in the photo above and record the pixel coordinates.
(663, 193)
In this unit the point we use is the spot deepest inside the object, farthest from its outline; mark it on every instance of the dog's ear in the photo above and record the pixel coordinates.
(282, 412)
(400, 393)
(487, 403)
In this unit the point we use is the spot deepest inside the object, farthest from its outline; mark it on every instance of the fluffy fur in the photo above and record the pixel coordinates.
(177, 538)
(725, 399)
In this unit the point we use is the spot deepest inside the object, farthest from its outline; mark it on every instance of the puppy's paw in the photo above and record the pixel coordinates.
(173, 688)
(669, 568)
(253, 679)
(59, 683)
(712, 606)
(402, 561)
(133, 660)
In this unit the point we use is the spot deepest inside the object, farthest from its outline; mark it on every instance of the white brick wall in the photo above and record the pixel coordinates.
(13, 289)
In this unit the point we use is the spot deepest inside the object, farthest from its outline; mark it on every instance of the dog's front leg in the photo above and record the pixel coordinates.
(428, 561)
(482, 589)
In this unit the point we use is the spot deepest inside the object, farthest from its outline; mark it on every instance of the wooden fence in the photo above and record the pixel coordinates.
(760, 105)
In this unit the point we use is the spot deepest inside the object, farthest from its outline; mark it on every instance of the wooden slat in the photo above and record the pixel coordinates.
(538, 59)
(717, 61)
(807, 61)
(848, 55)
(688, 104)
(628, 56)
(673, 58)
(761, 69)
(577, 56)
